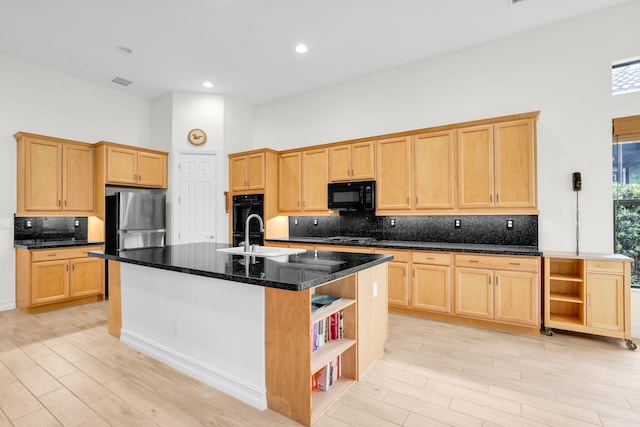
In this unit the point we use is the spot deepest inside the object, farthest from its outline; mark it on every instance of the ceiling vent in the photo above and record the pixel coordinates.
(121, 81)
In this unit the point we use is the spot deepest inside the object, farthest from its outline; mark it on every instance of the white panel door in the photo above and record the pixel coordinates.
(197, 207)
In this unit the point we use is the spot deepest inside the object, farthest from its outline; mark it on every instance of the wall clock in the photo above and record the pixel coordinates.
(197, 137)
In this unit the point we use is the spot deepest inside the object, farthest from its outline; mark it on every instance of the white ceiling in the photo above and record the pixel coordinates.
(246, 47)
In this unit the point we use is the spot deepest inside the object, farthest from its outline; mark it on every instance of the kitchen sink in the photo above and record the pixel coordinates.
(263, 251)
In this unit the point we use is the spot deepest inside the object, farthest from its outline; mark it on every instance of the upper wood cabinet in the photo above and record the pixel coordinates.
(497, 165)
(303, 181)
(416, 172)
(434, 170)
(352, 162)
(54, 175)
(247, 171)
(135, 167)
(394, 171)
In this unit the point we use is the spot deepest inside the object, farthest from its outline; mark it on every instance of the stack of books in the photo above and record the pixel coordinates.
(327, 329)
(327, 376)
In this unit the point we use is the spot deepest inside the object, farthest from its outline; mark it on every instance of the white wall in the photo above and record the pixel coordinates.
(563, 70)
(38, 100)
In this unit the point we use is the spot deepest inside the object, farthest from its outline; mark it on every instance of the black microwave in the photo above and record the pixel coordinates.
(352, 196)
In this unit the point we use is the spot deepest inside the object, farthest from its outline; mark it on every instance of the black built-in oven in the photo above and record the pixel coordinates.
(243, 206)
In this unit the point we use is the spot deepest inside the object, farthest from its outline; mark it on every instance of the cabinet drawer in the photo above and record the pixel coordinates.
(439, 258)
(605, 266)
(63, 253)
(498, 262)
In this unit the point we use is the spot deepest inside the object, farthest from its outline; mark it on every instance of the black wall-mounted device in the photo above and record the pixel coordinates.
(577, 181)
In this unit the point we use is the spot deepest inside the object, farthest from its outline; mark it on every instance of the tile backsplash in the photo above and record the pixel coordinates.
(50, 228)
(478, 229)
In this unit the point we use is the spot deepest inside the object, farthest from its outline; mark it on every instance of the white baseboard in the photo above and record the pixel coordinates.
(7, 305)
(235, 387)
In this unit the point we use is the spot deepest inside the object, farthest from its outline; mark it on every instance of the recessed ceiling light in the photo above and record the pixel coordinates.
(124, 50)
(301, 48)
(207, 84)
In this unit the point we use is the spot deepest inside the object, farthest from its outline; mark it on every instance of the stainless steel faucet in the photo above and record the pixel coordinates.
(247, 245)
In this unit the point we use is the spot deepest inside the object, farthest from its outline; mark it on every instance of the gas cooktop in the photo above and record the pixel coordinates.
(349, 239)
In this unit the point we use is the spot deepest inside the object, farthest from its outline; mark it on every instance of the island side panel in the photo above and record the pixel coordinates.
(208, 328)
(372, 315)
(115, 313)
(288, 353)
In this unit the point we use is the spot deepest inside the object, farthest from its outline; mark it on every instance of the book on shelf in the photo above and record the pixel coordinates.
(329, 374)
(320, 301)
(327, 329)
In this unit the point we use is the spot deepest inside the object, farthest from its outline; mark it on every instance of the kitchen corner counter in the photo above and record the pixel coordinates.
(422, 246)
(53, 244)
(291, 272)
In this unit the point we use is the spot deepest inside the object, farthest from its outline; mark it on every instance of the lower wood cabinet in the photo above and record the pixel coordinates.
(501, 289)
(431, 281)
(495, 291)
(588, 294)
(48, 278)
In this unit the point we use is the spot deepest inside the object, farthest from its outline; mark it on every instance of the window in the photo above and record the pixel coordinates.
(625, 76)
(626, 191)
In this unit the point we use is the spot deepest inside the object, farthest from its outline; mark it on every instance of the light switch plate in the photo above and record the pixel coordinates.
(5, 224)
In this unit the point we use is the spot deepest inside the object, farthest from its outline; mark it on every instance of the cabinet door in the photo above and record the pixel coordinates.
(605, 301)
(362, 160)
(238, 173)
(289, 182)
(434, 178)
(340, 163)
(398, 293)
(517, 297)
(474, 293)
(78, 178)
(475, 167)
(255, 171)
(43, 175)
(86, 277)
(151, 169)
(49, 281)
(394, 174)
(122, 165)
(314, 180)
(515, 164)
(431, 288)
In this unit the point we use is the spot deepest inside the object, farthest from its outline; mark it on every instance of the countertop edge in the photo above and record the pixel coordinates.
(57, 244)
(419, 246)
(252, 281)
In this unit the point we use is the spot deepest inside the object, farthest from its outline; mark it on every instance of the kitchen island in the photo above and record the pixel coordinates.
(243, 324)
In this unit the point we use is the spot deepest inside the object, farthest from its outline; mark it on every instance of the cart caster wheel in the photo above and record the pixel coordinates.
(548, 331)
(631, 345)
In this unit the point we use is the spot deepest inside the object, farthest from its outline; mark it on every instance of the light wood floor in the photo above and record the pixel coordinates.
(62, 368)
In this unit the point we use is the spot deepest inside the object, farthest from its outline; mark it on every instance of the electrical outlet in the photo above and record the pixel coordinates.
(5, 224)
(457, 223)
(375, 289)
(393, 222)
(76, 223)
(28, 224)
(315, 221)
(509, 224)
(295, 221)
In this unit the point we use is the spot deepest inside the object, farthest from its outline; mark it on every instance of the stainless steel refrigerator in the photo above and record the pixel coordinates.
(135, 220)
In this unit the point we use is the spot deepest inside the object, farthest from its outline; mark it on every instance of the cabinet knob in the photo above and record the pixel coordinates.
(497, 198)
(491, 198)
(139, 178)
(65, 203)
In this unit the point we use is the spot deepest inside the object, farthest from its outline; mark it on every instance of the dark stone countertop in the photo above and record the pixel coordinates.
(53, 244)
(422, 246)
(290, 272)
